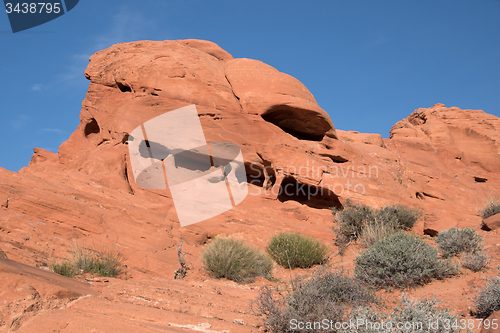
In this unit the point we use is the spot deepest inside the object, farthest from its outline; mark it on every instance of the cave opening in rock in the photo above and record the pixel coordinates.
(313, 196)
(123, 87)
(300, 123)
(92, 128)
(258, 173)
(480, 179)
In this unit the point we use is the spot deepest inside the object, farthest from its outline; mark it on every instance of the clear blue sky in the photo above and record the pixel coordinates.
(368, 63)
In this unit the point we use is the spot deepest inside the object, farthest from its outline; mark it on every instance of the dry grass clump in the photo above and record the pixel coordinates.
(491, 208)
(103, 263)
(234, 260)
(292, 250)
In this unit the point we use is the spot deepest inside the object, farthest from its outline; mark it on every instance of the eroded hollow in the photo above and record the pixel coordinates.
(123, 87)
(335, 158)
(310, 195)
(91, 129)
(300, 123)
(258, 173)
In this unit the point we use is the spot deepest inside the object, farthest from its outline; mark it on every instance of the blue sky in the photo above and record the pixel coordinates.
(368, 63)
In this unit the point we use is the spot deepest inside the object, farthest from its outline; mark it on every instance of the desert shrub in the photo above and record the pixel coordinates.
(350, 222)
(278, 314)
(402, 217)
(425, 311)
(401, 260)
(367, 315)
(457, 241)
(491, 208)
(234, 260)
(325, 295)
(293, 250)
(488, 299)
(104, 263)
(63, 268)
(358, 221)
(476, 261)
(418, 315)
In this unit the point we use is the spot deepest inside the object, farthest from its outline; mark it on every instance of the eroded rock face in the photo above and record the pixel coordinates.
(239, 100)
(279, 98)
(491, 223)
(454, 161)
(491, 323)
(435, 159)
(442, 160)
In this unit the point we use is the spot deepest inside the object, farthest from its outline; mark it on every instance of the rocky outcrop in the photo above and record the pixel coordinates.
(279, 99)
(444, 161)
(491, 223)
(491, 325)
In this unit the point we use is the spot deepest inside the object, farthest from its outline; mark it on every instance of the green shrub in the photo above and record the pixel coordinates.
(488, 299)
(457, 241)
(63, 268)
(358, 221)
(401, 260)
(492, 208)
(418, 315)
(234, 260)
(401, 217)
(292, 250)
(476, 261)
(326, 295)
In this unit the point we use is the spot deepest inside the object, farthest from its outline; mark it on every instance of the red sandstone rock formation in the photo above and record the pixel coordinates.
(491, 223)
(442, 160)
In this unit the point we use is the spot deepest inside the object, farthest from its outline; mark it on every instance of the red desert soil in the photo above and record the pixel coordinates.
(444, 161)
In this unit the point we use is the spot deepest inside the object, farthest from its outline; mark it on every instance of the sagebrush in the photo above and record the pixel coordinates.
(456, 241)
(327, 294)
(292, 250)
(466, 244)
(488, 299)
(415, 314)
(235, 260)
(335, 296)
(476, 261)
(401, 260)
